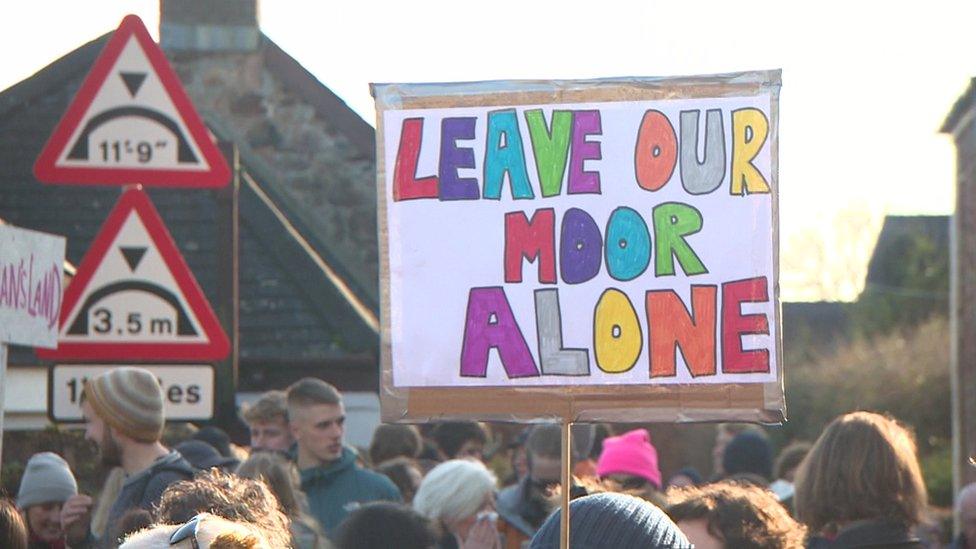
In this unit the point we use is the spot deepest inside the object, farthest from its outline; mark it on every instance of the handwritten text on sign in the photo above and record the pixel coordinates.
(30, 286)
(582, 244)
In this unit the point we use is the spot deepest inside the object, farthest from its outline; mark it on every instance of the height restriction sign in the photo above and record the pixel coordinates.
(134, 298)
(132, 122)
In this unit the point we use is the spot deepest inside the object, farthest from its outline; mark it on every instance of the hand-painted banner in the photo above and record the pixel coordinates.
(586, 243)
(31, 265)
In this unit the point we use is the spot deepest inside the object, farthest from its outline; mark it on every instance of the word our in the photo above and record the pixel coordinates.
(561, 146)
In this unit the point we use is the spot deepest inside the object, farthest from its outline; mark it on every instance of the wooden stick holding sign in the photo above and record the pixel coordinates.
(31, 267)
(567, 482)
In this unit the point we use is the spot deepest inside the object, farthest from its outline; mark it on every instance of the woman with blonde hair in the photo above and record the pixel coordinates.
(861, 484)
(282, 478)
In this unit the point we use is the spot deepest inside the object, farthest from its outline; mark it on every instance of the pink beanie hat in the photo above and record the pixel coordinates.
(630, 454)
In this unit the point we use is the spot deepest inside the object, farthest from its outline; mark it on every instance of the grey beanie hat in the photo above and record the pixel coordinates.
(612, 520)
(47, 478)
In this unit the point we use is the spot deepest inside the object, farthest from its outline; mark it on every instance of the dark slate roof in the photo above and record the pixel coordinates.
(896, 227)
(815, 323)
(292, 314)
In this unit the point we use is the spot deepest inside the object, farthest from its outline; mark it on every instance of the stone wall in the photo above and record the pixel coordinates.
(326, 181)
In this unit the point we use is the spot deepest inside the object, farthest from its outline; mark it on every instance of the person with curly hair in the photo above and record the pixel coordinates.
(228, 496)
(204, 531)
(731, 515)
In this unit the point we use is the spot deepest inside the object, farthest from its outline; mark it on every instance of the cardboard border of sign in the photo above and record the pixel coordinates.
(763, 402)
(218, 346)
(46, 168)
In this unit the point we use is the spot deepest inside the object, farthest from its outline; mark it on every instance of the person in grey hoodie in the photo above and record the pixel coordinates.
(123, 410)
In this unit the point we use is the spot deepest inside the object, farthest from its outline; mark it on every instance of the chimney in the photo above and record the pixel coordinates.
(209, 26)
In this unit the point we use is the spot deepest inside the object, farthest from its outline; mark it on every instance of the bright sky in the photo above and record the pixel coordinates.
(866, 84)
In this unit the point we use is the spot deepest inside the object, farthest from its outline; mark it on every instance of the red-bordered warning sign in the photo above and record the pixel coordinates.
(132, 122)
(134, 298)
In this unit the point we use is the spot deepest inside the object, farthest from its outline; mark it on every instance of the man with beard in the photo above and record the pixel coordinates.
(523, 507)
(123, 410)
(334, 483)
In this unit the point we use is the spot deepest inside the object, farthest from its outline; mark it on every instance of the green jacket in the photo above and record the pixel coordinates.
(336, 489)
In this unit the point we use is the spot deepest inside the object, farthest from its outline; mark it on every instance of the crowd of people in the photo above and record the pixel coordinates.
(458, 485)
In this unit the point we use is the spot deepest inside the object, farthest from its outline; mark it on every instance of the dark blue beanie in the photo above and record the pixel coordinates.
(748, 452)
(612, 520)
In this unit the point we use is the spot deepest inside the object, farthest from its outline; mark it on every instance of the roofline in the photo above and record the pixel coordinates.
(959, 110)
(75, 63)
(297, 78)
(78, 62)
(361, 309)
(919, 216)
(262, 171)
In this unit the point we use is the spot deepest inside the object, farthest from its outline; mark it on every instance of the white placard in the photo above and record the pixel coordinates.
(188, 391)
(646, 255)
(31, 267)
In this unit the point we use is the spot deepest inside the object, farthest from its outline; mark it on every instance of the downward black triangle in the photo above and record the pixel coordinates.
(133, 255)
(133, 81)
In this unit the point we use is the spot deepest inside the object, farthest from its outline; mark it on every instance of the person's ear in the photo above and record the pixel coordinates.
(120, 437)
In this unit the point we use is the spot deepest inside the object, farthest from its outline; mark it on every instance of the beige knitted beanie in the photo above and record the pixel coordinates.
(129, 399)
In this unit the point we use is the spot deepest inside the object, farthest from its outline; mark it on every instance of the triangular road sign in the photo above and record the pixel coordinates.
(132, 122)
(145, 308)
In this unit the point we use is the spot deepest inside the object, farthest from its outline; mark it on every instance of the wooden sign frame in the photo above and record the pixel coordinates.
(759, 402)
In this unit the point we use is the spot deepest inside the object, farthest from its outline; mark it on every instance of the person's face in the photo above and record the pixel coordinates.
(471, 449)
(97, 431)
(271, 435)
(318, 430)
(463, 526)
(544, 473)
(697, 533)
(44, 520)
(679, 481)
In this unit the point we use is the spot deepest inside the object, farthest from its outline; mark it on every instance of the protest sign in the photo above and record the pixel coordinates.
(31, 265)
(598, 250)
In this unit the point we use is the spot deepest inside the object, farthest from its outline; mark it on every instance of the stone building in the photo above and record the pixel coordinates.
(961, 125)
(307, 208)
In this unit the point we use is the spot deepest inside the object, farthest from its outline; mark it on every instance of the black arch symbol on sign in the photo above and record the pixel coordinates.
(183, 152)
(183, 325)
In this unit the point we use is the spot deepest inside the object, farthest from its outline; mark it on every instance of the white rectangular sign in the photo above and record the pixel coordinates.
(31, 266)
(188, 391)
(594, 243)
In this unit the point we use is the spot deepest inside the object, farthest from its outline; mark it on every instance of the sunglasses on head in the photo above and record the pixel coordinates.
(187, 532)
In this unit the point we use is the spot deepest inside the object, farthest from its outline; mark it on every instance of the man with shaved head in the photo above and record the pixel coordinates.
(966, 514)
